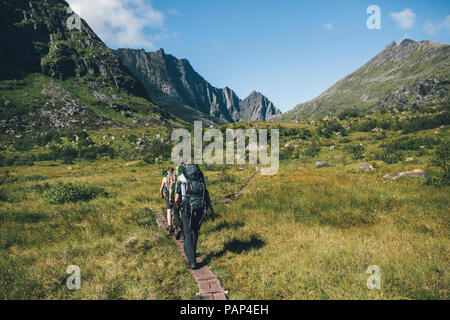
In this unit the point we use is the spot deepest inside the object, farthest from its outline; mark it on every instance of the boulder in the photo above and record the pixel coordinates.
(367, 167)
(320, 164)
(419, 173)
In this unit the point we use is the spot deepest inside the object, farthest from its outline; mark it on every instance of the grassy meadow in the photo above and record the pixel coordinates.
(305, 233)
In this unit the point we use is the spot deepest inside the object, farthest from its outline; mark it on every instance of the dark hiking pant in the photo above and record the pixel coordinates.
(190, 237)
(176, 216)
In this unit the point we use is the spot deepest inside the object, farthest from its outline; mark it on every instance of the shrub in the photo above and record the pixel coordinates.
(289, 153)
(158, 149)
(35, 177)
(25, 160)
(328, 128)
(355, 150)
(313, 149)
(88, 153)
(366, 126)
(68, 192)
(3, 196)
(148, 158)
(349, 113)
(390, 157)
(441, 158)
(105, 150)
(69, 152)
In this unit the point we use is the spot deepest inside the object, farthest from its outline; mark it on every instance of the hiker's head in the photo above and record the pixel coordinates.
(170, 170)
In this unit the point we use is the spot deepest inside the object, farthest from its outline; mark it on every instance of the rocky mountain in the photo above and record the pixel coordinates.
(256, 107)
(57, 74)
(173, 84)
(404, 75)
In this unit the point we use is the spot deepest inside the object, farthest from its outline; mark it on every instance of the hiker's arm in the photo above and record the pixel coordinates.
(161, 190)
(177, 199)
(170, 193)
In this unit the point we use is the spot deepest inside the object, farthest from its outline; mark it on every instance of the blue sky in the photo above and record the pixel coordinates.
(289, 50)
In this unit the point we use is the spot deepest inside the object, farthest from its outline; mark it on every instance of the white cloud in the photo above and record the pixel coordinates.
(174, 12)
(405, 19)
(433, 28)
(329, 26)
(430, 28)
(122, 23)
(447, 23)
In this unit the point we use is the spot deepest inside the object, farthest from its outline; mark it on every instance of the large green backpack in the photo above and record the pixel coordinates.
(195, 194)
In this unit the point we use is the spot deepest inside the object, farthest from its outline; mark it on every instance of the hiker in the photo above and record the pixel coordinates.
(165, 187)
(176, 207)
(193, 198)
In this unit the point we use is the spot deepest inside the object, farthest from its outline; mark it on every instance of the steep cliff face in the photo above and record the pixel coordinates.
(172, 82)
(176, 86)
(35, 37)
(256, 107)
(401, 75)
(55, 76)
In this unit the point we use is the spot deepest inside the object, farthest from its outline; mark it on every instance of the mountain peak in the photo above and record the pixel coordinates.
(407, 42)
(256, 107)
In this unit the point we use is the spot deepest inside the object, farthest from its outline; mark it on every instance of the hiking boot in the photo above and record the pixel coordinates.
(193, 266)
(170, 229)
(178, 232)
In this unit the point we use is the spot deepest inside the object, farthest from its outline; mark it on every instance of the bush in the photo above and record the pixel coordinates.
(349, 113)
(25, 160)
(3, 196)
(289, 153)
(68, 192)
(355, 150)
(158, 149)
(148, 158)
(313, 150)
(328, 128)
(366, 126)
(390, 157)
(441, 158)
(295, 132)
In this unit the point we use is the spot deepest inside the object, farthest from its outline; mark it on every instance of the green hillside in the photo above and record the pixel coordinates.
(405, 75)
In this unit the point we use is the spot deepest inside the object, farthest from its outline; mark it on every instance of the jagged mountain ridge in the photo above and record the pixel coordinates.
(174, 84)
(52, 77)
(401, 75)
(256, 107)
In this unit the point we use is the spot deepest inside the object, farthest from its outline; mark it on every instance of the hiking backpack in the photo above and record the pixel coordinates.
(169, 179)
(195, 193)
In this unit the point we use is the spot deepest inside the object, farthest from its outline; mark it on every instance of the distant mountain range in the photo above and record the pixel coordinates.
(412, 73)
(174, 84)
(55, 78)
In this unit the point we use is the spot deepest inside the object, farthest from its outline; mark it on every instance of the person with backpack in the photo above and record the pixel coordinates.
(165, 187)
(193, 197)
(176, 208)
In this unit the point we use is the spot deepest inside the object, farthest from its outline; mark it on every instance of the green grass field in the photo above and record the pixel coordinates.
(306, 233)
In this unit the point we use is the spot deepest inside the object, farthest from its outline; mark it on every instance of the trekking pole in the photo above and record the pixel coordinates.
(208, 200)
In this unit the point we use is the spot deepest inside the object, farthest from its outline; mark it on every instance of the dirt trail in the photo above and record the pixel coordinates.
(207, 282)
(240, 192)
